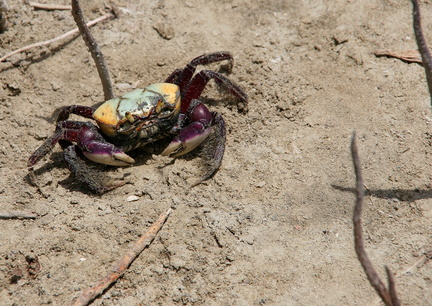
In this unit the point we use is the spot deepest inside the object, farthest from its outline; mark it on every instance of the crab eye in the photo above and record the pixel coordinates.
(165, 112)
(159, 106)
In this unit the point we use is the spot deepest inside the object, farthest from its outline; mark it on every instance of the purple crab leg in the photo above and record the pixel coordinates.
(87, 137)
(44, 149)
(219, 148)
(181, 77)
(174, 76)
(83, 111)
(194, 133)
(200, 80)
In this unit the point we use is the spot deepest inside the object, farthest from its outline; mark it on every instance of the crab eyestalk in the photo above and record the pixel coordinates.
(129, 117)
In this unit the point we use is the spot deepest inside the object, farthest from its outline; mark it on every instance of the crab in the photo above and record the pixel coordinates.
(170, 109)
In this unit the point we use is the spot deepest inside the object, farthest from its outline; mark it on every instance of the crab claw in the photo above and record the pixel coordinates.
(106, 153)
(188, 139)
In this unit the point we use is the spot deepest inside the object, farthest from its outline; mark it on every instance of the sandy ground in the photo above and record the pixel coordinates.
(274, 224)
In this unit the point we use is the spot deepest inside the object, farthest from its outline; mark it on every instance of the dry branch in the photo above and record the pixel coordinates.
(411, 56)
(421, 261)
(95, 51)
(17, 214)
(422, 46)
(49, 7)
(389, 297)
(119, 269)
(48, 42)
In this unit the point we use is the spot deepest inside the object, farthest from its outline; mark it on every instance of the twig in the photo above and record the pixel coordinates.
(422, 46)
(95, 51)
(49, 7)
(389, 298)
(424, 258)
(118, 270)
(17, 214)
(417, 264)
(392, 286)
(47, 42)
(410, 56)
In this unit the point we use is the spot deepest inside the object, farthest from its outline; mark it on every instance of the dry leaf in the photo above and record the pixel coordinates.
(411, 56)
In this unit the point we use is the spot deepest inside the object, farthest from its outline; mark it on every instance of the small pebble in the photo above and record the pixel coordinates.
(165, 30)
(132, 198)
(124, 86)
(261, 184)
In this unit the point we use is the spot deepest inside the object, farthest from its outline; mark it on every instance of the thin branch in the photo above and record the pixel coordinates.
(95, 51)
(49, 7)
(424, 258)
(410, 56)
(392, 286)
(48, 42)
(17, 214)
(119, 269)
(370, 272)
(422, 46)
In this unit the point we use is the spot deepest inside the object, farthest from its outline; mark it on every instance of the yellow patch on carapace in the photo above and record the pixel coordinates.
(107, 112)
(170, 91)
(106, 117)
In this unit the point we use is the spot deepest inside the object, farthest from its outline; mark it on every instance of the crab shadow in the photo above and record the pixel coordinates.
(204, 151)
(69, 182)
(408, 195)
(141, 156)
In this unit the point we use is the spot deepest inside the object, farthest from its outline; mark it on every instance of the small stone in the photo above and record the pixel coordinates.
(55, 86)
(261, 184)
(124, 86)
(165, 30)
(339, 39)
(132, 198)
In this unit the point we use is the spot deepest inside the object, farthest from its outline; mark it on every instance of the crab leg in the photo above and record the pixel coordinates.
(85, 174)
(181, 77)
(44, 149)
(83, 111)
(219, 147)
(199, 81)
(88, 139)
(194, 133)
